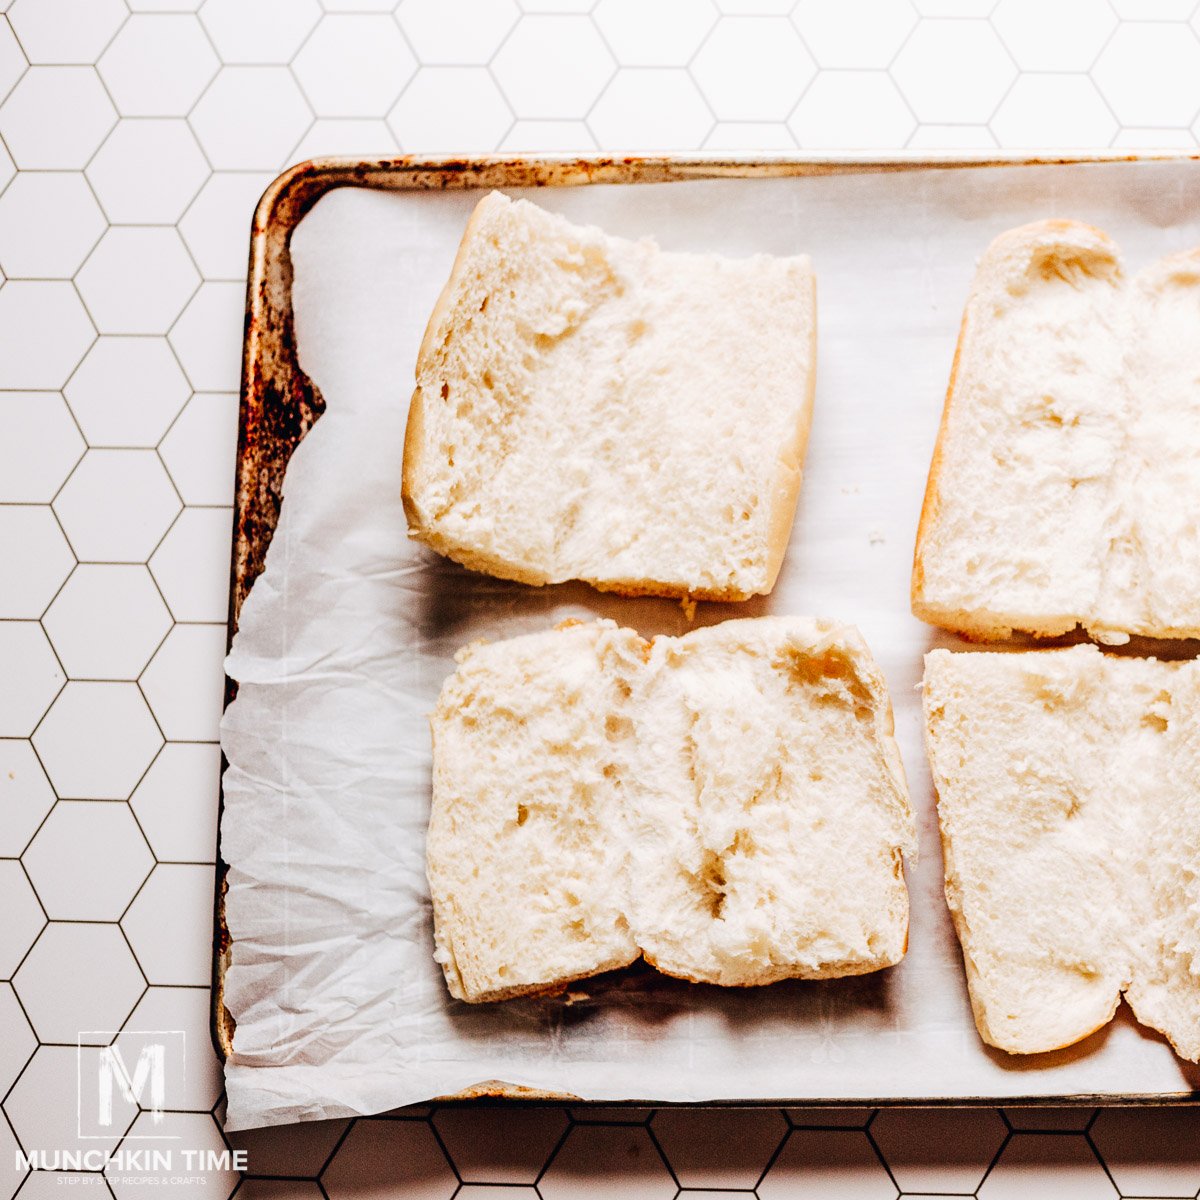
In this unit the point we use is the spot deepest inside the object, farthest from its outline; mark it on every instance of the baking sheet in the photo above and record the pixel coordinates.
(349, 633)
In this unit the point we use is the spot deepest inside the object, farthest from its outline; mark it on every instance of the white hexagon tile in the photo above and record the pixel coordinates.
(135, 139)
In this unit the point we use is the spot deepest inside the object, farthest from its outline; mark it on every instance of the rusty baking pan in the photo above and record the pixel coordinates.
(279, 404)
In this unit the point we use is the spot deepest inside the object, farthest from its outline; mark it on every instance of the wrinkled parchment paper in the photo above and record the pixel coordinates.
(349, 633)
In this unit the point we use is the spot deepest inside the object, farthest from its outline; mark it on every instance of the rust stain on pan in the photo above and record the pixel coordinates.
(280, 404)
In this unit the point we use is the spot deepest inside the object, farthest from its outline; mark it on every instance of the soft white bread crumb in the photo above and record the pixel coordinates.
(1154, 582)
(593, 408)
(1062, 491)
(1165, 992)
(1067, 787)
(524, 855)
(772, 811)
(731, 803)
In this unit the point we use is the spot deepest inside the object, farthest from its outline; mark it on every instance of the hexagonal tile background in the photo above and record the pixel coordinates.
(135, 139)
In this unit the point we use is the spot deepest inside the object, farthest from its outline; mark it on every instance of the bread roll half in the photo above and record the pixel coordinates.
(1063, 491)
(1068, 786)
(593, 408)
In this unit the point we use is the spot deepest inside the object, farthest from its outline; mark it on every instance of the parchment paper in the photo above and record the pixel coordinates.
(349, 633)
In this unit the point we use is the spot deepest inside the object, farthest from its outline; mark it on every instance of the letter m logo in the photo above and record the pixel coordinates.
(125, 1074)
(146, 1086)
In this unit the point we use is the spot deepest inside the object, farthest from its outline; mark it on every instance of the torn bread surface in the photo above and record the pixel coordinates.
(771, 810)
(731, 804)
(525, 862)
(1062, 492)
(1065, 780)
(589, 407)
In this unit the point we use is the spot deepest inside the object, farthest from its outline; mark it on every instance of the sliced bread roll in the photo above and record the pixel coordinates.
(1154, 580)
(1061, 492)
(771, 812)
(1067, 796)
(593, 408)
(525, 853)
(1165, 990)
(730, 803)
